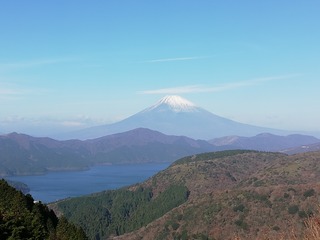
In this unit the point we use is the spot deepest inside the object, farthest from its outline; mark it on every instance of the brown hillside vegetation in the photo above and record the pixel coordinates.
(239, 195)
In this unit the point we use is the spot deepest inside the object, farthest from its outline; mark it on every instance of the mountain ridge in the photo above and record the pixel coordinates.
(302, 149)
(22, 154)
(265, 142)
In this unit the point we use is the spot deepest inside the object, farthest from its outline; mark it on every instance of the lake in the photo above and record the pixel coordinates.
(54, 186)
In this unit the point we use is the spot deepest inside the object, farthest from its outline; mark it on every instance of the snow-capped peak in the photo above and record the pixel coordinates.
(176, 104)
(176, 101)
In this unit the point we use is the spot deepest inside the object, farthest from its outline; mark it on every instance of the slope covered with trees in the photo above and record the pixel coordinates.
(22, 218)
(116, 212)
(244, 194)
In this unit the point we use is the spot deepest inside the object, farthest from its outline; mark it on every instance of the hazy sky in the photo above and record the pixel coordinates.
(82, 63)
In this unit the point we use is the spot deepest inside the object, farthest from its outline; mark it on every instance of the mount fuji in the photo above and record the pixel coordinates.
(174, 115)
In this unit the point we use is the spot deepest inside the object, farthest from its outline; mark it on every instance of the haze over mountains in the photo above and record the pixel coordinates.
(21, 154)
(24, 155)
(264, 142)
(156, 134)
(175, 115)
(304, 148)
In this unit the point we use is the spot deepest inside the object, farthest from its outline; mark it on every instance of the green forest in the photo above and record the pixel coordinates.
(23, 218)
(120, 211)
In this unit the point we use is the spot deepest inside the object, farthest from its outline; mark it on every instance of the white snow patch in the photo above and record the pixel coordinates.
(176, 103)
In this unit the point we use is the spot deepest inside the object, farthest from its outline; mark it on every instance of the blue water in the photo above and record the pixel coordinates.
(59, 185)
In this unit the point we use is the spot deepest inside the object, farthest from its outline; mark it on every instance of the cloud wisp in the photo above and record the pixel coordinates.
(175, 59)
(9, 92)
(33, 63)
(218, 88)
(71, 122)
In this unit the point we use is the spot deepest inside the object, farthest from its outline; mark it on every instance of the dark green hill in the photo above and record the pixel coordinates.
(22, 218)
(253, 195)
(19, 186)
(119, 211)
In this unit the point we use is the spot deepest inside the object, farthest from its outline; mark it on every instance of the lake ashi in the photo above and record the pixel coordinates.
(54, 186)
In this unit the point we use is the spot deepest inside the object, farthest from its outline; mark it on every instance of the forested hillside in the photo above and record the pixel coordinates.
(22, 218)
(223, 195)
(119, 211)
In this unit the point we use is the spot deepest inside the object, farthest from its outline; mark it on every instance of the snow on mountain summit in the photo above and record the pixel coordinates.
(175, 103)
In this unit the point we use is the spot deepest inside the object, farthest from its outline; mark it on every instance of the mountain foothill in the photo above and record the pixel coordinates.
(227, 180)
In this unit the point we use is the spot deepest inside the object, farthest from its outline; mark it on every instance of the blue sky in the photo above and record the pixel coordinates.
(72, 64)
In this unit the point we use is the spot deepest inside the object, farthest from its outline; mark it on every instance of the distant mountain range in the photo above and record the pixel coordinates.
(175, 115)
(264, 142)
(25, 155)
(143, 145)
(301, 149)
(21, 154)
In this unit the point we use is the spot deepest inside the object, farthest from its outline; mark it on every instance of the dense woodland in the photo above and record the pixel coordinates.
(119, 211)
(22, 218)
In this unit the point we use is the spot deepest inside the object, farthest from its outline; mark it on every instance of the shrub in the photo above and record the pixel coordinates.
(242, 224)
(184, 235)
(292, 189)
(258, 183)
(302, 214)
(239, 208)
(276, 228)
(293, 209)
(309, 193)
(175, 225)
(286, 195)
(200, 236)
